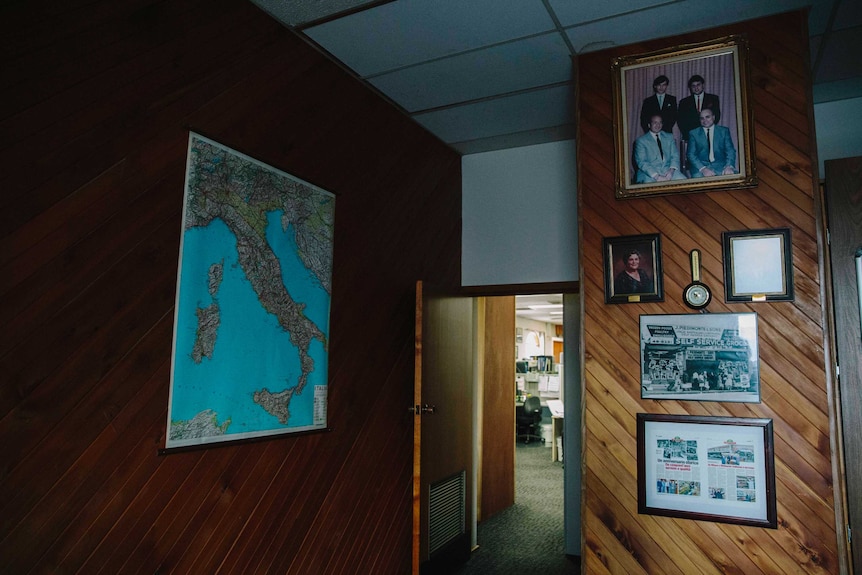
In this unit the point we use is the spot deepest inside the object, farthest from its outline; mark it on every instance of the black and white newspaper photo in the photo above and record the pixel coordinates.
(700, 357)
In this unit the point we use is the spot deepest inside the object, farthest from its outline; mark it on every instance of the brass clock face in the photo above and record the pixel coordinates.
(696, 294)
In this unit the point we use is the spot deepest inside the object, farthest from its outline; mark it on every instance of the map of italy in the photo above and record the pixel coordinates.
(252, 301)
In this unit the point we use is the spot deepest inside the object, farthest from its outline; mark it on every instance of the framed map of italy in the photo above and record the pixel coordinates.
(252, 305)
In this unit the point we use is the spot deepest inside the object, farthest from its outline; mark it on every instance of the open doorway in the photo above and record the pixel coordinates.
(531, 531)
(539, 370)
(539, 347)
(539, 456)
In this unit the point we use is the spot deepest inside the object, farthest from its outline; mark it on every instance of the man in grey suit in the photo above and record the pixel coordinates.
(710, 149)
(657, 155)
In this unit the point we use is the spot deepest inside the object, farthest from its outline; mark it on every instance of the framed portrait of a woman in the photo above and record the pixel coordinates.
(632, 266)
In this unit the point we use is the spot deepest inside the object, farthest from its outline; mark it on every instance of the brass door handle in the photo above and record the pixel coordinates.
(422, 409)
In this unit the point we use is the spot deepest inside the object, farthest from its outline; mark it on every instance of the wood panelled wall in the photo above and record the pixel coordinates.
(794, 391)
(97, 100)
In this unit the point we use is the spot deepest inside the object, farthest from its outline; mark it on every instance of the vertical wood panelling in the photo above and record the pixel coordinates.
(99, 98)
(498, 407)
(794, 394)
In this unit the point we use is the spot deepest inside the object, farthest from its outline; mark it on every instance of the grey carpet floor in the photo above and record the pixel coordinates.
(527, 537)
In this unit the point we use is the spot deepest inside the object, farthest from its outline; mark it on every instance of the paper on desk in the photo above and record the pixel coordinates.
(556, 407)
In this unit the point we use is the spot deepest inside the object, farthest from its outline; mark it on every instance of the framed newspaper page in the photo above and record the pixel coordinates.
(707, 468)
(700, 357)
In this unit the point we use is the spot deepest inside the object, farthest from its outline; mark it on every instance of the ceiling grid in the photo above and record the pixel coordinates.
(493, 74)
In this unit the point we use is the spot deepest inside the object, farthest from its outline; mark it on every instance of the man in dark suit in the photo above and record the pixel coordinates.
(691, 106)
(659, 103)
(710, 149)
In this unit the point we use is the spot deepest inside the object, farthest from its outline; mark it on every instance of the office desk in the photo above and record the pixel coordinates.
(556, 431)
(557, 411)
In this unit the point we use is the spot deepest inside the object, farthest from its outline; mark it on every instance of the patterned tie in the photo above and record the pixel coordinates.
(660, 151)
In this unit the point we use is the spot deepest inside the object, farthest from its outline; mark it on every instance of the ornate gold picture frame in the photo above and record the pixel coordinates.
(664, 102)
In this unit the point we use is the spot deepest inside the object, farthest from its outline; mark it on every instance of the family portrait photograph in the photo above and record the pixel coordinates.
(682, 120)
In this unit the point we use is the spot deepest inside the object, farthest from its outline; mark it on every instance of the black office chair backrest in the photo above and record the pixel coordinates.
(532, 404)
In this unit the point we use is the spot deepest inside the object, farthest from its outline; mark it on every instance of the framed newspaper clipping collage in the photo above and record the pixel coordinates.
(707, 468)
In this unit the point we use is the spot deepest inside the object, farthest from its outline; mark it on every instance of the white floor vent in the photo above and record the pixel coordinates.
(446, 514)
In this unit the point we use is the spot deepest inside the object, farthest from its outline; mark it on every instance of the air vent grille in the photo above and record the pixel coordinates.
(446, 514)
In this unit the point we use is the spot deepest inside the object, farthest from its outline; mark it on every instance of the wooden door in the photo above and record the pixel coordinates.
(497, 411)
(443, 431)
(558, 350)
(844, 213)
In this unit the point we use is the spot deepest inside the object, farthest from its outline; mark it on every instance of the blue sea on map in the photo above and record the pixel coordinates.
(262, 354)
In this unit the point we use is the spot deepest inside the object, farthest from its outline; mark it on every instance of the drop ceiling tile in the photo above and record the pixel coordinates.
(505, 68)
(298, 13)
(411, 31)
(838, 90)
(518, 140)
(842, 56)
(821, 12)
(849, 14)
(671, 20)
(572, 13)
(814, 47)
(522, 112)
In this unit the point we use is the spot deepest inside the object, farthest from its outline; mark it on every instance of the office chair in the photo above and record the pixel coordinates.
(528, 419)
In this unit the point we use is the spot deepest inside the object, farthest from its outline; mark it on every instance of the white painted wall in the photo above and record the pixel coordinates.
(547, 333)
(519, 213)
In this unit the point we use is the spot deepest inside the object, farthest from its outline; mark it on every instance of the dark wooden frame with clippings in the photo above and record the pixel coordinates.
(671, 505)
(644, 243)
